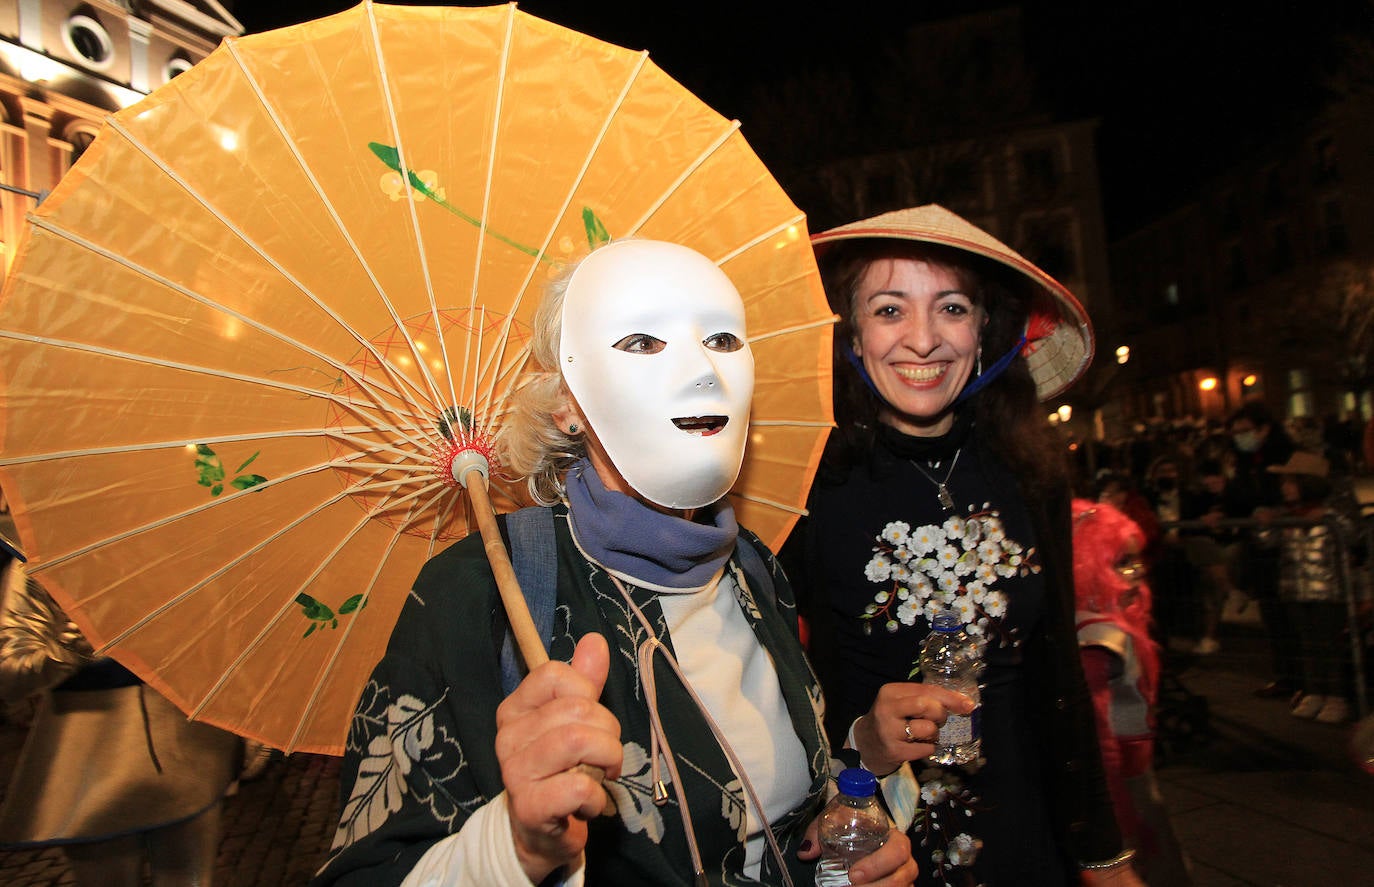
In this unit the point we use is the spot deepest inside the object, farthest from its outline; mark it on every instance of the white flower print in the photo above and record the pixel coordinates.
(963, 849)
(733, 811)
(926, 539)
(933, 792)
(411, 744)
(895, 533)
(633, 793)
(879, 569)
(957, 564)
(943, 798)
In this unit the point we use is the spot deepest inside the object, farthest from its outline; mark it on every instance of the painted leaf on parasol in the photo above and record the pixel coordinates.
(244, 337)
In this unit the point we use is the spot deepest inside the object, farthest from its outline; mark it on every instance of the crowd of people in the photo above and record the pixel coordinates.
(1253, 519)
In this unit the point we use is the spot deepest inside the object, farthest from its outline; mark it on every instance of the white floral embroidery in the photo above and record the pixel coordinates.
(409, 740)
(878, 569)
(734, 812)
(955, 565)
(922, 572)
(943, 798)
(925, 539)
(896, 532)
(633, 793)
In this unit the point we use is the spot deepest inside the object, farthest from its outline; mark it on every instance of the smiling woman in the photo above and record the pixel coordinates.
(917, 329)
(944, 491)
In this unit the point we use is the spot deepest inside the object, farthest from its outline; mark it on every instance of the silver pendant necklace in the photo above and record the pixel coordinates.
(941, 487)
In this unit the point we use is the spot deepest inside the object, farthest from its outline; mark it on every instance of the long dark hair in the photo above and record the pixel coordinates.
(1008, 420)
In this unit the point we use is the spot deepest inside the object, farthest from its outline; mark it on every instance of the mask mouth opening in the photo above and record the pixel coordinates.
(702, 425)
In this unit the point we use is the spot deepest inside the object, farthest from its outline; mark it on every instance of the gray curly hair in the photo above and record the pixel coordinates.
(531, 444)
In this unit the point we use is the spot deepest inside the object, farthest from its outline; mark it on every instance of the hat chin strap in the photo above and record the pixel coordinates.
(973, 387)
(991, 373)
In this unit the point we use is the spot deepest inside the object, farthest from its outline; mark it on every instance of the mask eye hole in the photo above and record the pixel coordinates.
(725, 342)
(640, 343)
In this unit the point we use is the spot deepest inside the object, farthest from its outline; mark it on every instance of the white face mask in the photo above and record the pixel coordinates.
(1247, 441)
(653, 350)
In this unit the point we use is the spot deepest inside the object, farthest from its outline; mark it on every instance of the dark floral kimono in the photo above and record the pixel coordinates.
(421, 751)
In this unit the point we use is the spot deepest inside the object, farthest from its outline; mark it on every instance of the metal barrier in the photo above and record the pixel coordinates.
(1346, 532)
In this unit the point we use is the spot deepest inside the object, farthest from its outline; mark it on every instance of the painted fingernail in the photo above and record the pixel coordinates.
(806, 846)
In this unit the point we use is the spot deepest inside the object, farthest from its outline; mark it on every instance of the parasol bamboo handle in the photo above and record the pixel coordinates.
(517, 611)
(513, 599)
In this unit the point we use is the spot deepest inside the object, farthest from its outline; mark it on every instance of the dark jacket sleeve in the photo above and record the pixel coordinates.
(1074, 772)
(419, 758)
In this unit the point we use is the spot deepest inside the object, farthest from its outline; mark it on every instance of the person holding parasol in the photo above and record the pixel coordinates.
(675, 667)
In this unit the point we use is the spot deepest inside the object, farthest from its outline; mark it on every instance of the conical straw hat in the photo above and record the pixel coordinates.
(1059, 334)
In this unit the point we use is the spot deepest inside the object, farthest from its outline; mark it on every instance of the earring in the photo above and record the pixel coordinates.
(979, 363)
(573, 428)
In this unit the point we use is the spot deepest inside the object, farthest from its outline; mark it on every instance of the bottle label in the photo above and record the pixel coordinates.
(959, 729)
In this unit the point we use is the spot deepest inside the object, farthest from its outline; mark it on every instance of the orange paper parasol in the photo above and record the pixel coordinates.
(245, 335)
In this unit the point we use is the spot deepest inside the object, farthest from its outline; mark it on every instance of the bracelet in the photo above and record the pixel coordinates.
(1120, 859)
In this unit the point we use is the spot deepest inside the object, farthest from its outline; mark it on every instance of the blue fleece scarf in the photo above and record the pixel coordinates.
(642, 545)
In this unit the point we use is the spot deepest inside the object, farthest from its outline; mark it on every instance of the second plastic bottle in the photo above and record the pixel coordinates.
(951, 658)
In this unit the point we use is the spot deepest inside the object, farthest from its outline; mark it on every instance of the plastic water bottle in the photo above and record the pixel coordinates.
(852, 826)
(950, 658)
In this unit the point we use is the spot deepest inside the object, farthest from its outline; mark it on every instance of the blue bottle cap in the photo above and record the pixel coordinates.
(857, 783)
(947, 620)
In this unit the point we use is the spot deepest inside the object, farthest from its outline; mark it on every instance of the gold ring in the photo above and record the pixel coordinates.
(907, 730)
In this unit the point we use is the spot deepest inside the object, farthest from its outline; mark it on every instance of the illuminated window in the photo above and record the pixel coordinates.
(1300, 396)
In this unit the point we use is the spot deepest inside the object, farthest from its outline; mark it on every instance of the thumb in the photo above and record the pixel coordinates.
(592, 660)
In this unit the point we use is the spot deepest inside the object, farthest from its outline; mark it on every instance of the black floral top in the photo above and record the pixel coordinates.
(878, 557)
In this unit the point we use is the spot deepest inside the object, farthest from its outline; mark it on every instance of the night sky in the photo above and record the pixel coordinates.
(1181, 87)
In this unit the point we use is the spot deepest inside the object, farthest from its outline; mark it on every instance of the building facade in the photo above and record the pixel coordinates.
(1261, 286)
(986, 148)
(65, 65)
